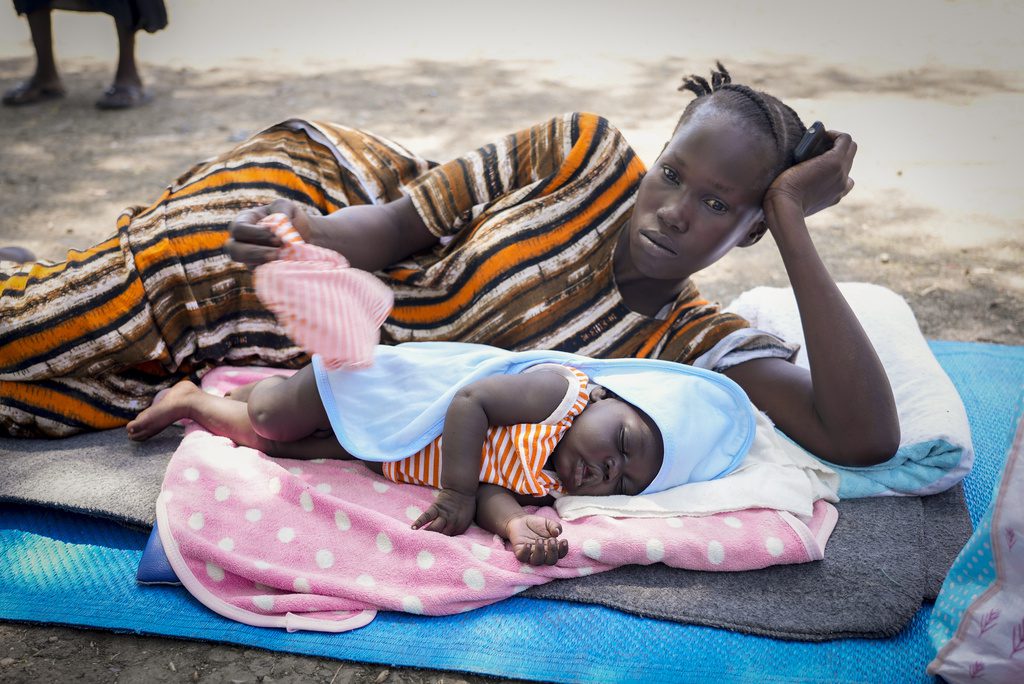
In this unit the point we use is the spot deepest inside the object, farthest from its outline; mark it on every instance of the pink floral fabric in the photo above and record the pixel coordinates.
(323, 545)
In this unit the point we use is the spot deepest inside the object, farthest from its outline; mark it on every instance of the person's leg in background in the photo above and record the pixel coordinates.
(45, 84)
(127, 90)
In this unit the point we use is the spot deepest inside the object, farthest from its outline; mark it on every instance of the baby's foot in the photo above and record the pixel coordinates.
(174, 405)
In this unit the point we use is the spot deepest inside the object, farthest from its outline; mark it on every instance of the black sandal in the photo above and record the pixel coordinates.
(123, 97)
(28, 93)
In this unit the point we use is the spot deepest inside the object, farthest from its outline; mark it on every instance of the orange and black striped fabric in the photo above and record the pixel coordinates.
(528, 225)
(512, 456)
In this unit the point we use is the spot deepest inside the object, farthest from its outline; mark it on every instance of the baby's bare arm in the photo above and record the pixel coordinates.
(498, 400)
(534, 538)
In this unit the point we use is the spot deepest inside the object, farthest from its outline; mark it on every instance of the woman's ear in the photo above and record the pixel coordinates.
(755, 234)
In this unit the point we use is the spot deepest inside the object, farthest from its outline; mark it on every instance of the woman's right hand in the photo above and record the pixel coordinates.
(819, 182)
(253, 244)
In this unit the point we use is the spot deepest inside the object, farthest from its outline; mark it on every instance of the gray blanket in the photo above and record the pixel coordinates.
(885, 556)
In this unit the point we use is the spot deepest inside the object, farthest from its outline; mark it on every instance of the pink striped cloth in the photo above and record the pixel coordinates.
(324, 305)
(323, 545)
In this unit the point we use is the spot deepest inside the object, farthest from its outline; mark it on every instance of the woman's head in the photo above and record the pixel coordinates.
(703, 194)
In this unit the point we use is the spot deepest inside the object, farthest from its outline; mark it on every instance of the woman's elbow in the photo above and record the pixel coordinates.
(869, 449)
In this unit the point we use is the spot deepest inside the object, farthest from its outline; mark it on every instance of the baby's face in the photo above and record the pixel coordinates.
(611, 448)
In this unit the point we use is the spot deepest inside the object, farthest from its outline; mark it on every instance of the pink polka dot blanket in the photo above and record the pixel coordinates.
(323, 545)
(325, 306)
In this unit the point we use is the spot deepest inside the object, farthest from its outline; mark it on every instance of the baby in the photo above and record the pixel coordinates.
(493, 430)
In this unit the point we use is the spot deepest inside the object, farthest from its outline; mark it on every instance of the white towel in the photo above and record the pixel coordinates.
(775, 474)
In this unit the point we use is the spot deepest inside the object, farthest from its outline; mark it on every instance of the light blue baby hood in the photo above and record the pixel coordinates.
(397, 406)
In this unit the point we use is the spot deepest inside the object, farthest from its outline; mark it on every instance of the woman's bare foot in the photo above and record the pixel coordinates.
(174, 405)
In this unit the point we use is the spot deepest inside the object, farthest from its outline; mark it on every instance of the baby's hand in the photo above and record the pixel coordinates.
(534, 540)
(450, 514)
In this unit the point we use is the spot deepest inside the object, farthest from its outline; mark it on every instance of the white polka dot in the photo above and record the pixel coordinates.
(253, 515)
(301, 585)
(286, 534)
(191, 474)
(323, 488)
(274, 485)
(674, 522)
(215, 572)
(425, 560)
(473, 578)
(306, 501)
(384, 543)
(412, 604)
(226, 544)
(324, 559)
(221, 493)
(520, 587)
(592, 549)
(716, 552)
(585, 570)
(365, 581)
(774, 546)
(262, 588)
(527, 569)
(196, 521)
(380, 487)
(319, 460)
(655, 550)
(733, 522)
(264, 602)
(481, 552)
(295, 471)
(413, 512)
(261, 565)
(341, 520)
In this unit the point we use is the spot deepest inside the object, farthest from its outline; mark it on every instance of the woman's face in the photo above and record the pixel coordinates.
(702, 196)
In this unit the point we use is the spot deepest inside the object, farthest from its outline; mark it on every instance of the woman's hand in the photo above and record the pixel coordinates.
(370, 236)
(534, 540)
(817, 183)
(253, 244)
(450, 514)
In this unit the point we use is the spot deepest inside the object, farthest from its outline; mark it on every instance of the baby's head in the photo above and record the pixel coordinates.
(612, 448)
(703, 195)
(651, 425)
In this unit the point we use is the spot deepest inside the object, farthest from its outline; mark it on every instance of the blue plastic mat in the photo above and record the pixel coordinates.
(63, 568)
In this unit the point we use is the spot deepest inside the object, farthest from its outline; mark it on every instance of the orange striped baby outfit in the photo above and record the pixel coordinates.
(513, 456)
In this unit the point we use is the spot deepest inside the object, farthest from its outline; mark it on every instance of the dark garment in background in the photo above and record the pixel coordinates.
(147, 15)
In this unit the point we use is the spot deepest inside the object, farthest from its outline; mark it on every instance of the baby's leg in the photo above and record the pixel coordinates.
(185, 400)
(288, 409)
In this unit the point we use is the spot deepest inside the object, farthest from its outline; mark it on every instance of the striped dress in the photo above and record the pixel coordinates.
(512, 456)
(527, 228)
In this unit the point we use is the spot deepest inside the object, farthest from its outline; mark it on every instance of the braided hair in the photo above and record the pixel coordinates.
(765, 112)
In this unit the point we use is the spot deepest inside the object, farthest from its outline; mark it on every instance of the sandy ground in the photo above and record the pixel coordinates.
(932, 92)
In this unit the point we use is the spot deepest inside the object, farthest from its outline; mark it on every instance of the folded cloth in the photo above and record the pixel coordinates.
(324, 544)
(935, 446)
(776, 473)
(327, 307)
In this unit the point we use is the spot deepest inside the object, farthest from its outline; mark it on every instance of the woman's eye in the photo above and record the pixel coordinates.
(715, 205)
(670, 174)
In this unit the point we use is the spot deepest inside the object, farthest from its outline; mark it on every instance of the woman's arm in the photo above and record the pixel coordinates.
(370, 236)
(534, 538)
(441, 201)
(843, 410)
(497, 400)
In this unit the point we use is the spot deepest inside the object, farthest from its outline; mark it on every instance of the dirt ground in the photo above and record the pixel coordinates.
(937, 214)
